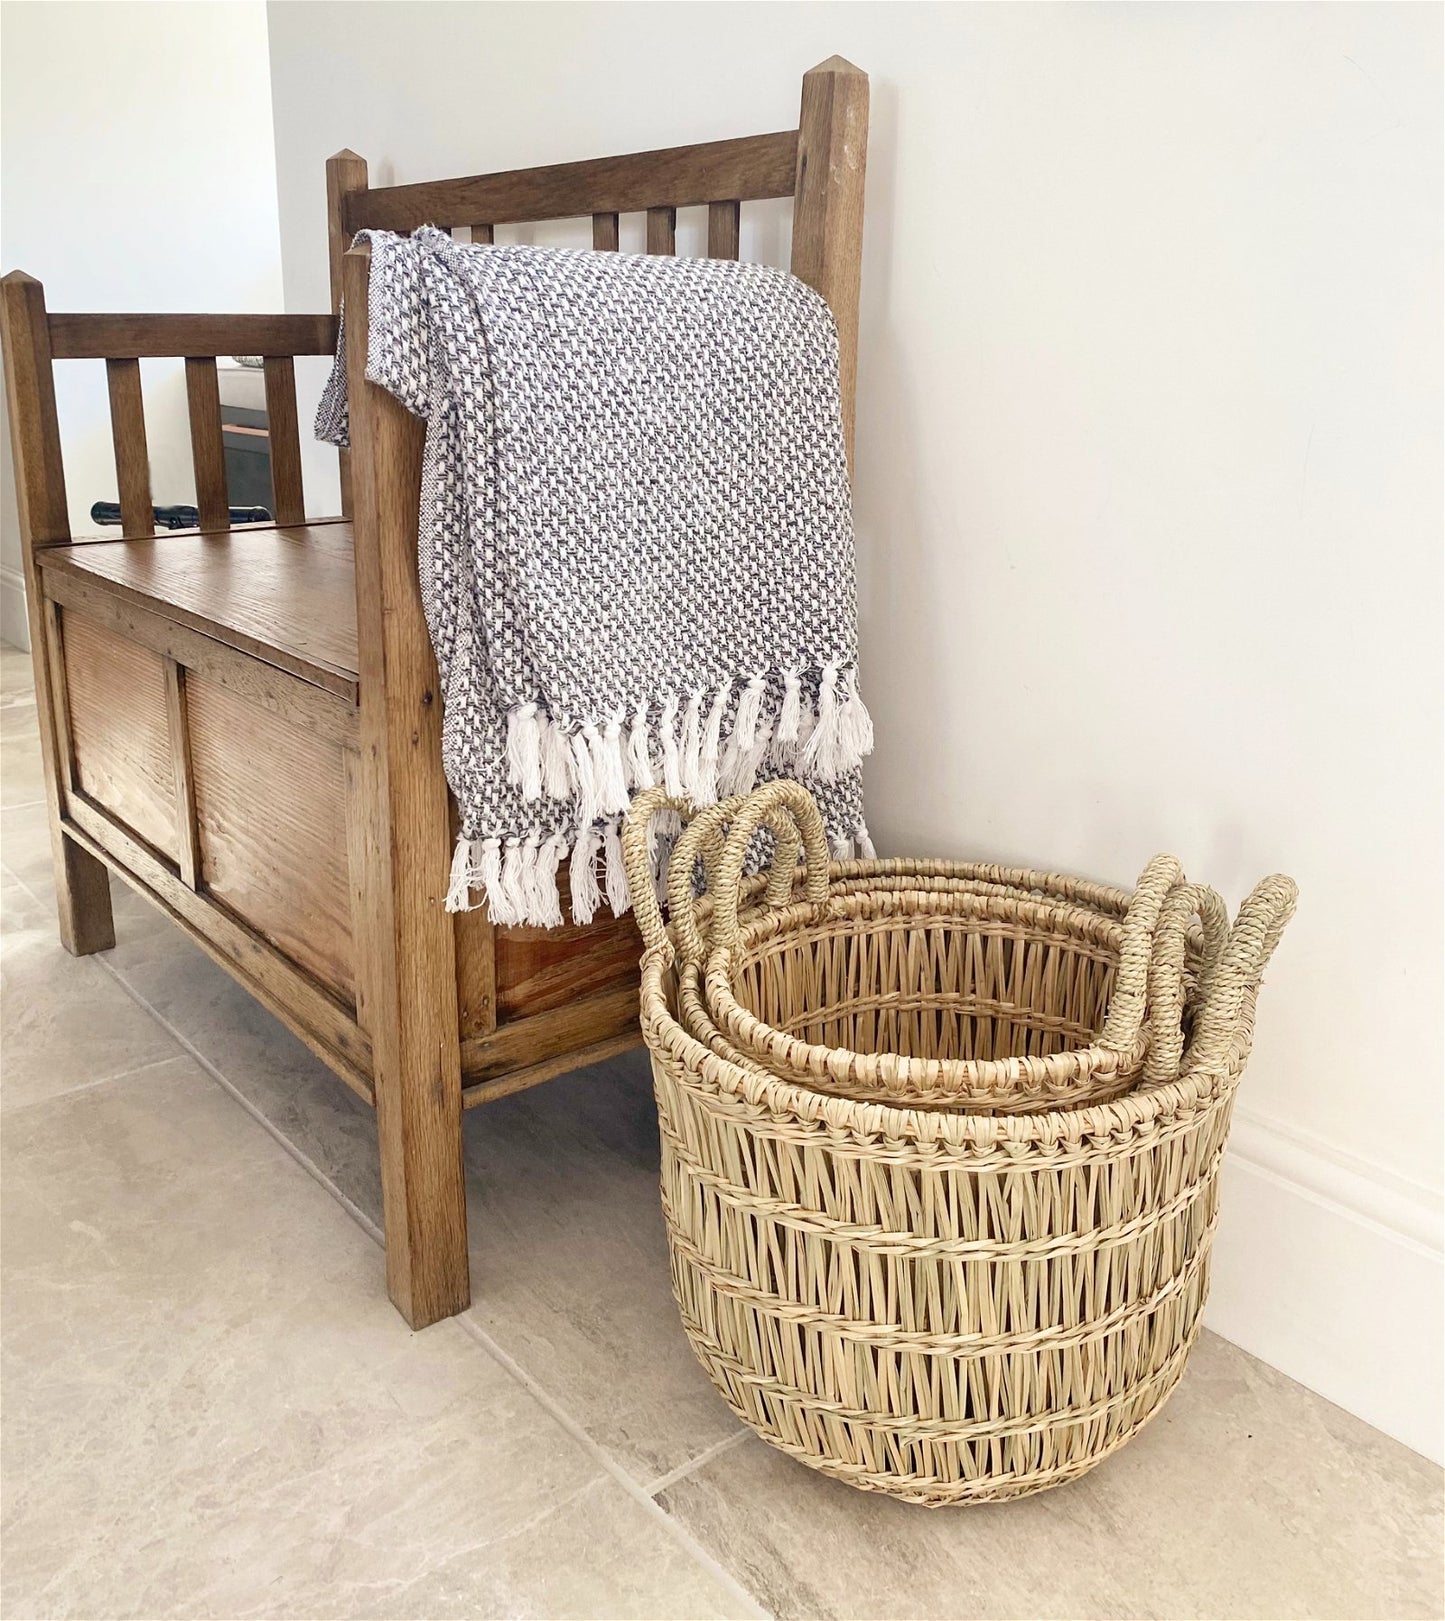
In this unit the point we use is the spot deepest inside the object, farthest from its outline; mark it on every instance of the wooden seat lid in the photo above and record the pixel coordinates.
(286, 596)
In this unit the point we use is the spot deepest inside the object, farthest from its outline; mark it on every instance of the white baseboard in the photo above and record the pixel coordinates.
(1331, 1269)
(14, 627)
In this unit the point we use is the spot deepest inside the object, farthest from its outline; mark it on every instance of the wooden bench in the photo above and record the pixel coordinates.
(244, 724)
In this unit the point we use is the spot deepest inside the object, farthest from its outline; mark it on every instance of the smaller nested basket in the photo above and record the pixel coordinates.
(975, 994)
(944, 1306)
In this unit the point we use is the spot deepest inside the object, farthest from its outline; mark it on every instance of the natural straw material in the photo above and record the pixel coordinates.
(950, 1307)
(974, 996)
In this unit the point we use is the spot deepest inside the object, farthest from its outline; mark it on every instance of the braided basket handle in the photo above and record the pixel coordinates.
(704, 838)
(638, 862)
(1167, 1002)
(1223, 1009)
(1130, 1000)
(773, 804)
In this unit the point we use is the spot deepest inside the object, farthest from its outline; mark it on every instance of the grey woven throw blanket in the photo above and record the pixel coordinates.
(636, 554)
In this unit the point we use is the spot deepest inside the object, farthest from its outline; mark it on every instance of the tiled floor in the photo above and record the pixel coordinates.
(211, 1410)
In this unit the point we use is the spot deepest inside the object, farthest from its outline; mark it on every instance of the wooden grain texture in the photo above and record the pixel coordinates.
(82, 886)
(406, 945)
(329, 714)
(312, 1013)
(541, 969)
(662, 230)
(132, 458)
(288, 499)
(604, 233)
(828, 205)
(475, 946)
(754, 166)
(724, 224)
(271, 829)
(285, 596)
(187, 847)
(554, 1034)
(119, 731)
(208, 445)
(481, 234)
(475, 1093)
(178, 337)
(345, 181)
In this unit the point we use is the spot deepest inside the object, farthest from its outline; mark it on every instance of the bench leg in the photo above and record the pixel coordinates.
(82, 896)
(419, 1126)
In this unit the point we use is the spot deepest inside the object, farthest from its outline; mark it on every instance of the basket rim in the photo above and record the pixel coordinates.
(1196, 1087)
(766, 1043)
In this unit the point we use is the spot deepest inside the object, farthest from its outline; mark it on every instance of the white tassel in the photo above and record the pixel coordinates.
(489, 880)
(611, 771)
(513, 889)
(586, 896)
(618, 897)
(639, 764)
(743, 756)
(584, 776)
(865, 845)
(855, 726)
(667, 734)
(667, 824)
(789, 718)
(707, 777)
(465, 859)
(691, 744)
(818, 757)
(546, 902)
(840, 849)
(556, 761)
(524, 750)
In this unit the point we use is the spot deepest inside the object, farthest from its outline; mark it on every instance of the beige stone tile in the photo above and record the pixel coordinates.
(64, 1022)
(601, 1553)
(569, 1259)
(25, 845)
(22, 776)
(17, 678)
(1248, 1496)
(212, 1409)
(25, 856)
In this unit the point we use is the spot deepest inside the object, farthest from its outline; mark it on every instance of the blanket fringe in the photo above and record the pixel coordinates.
(517, 878)
(582, 874)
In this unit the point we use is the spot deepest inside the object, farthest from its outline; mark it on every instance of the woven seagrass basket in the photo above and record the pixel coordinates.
(985, 994)
(943, 1306)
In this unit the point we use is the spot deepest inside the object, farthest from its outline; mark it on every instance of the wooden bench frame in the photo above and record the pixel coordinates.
(153, 708)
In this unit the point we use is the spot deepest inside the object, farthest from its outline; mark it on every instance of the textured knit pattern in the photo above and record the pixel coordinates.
(636, 547)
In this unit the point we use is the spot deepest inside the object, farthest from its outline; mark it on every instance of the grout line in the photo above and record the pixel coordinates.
(701, 1461)
(87, 1086)
(639, 1493)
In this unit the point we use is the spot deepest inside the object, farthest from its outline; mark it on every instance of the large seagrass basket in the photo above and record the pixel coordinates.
(947, 1306)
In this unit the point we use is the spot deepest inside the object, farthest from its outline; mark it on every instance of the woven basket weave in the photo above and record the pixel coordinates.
(950, 1307)
(972, 994)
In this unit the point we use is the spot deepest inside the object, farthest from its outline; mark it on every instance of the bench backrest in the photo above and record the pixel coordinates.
(820, 165)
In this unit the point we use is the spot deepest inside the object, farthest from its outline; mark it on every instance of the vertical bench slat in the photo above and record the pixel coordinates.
(208, 448)
(662, 230)
(288, 502)
(482, 234)
(132, 459)
(604, 233)
(724, 222)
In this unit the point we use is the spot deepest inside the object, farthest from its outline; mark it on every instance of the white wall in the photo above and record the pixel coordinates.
(1148, 498)
(138, 173)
